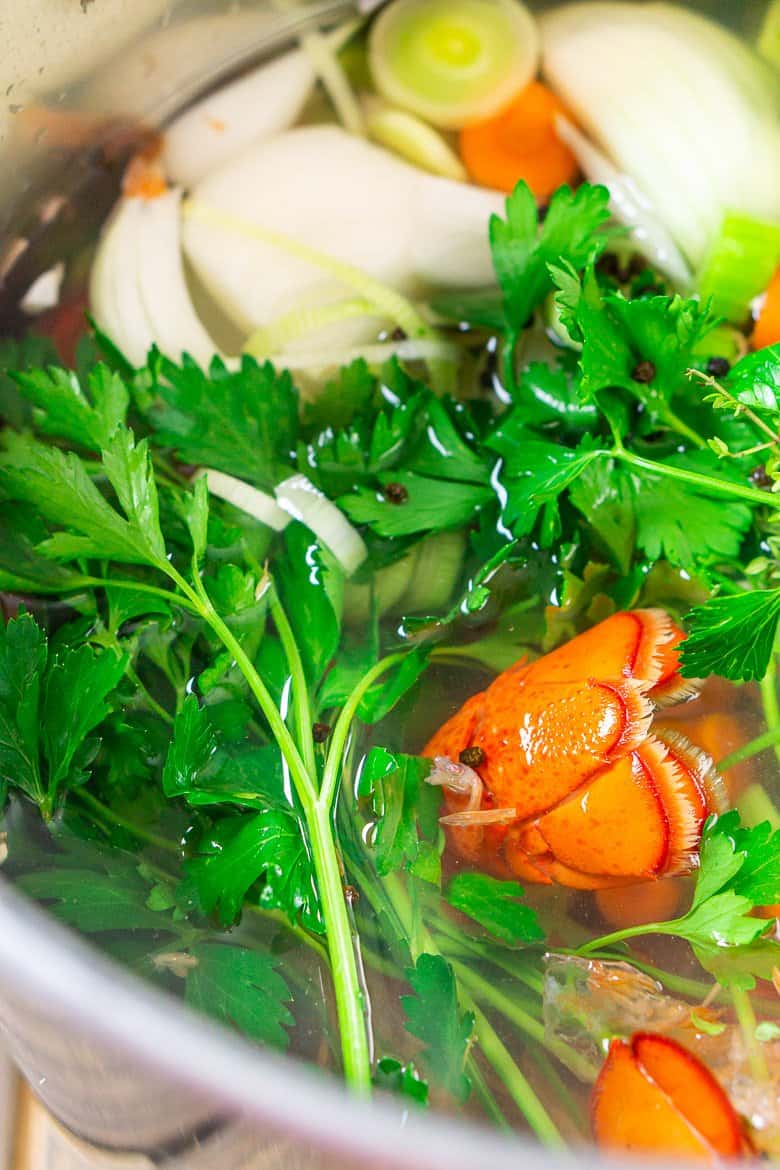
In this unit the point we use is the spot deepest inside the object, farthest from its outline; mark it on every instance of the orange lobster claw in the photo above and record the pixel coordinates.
(576, 789)
(652, 1095)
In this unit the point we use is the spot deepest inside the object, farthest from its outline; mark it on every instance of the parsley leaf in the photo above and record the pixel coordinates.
(434, 1016)
(571, 233)
(242, 988)
(65, 410)
(495, 905)
(243, 422)
(684, 526)
(618, 334)
(50, 702)
(732, 635)
(430, 504)
(755, 380)
(536, 471)
(240, 851)
(59, 487)
(402, 1079)
(108, 897)
(192, 747)
(407, 835)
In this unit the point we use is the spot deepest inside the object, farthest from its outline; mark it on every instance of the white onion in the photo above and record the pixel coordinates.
(303, 501)
(628, 204)
(328, 191)
(138, 291)
(246, 498)
(263, 102)
(679, 105)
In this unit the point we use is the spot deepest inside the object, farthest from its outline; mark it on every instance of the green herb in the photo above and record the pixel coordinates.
(739, 872)
(495, 905)
(243, 988)
(434, 1016)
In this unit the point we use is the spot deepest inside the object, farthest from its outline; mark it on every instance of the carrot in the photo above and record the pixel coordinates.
(767, 330)
(521, 142)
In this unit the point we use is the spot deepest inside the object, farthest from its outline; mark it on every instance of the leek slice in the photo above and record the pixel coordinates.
(439, 562)
(411, 138)
(769, 37)
(740, 265)
(453, 61)
(387, 587)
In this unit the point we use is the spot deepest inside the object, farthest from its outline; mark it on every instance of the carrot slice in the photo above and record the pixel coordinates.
(767, 330)
(520, 142)
(654, 1096)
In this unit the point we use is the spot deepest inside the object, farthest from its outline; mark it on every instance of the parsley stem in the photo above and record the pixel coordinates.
(746, 1018)
(338, 739)
(350, 1003)
(707, 483)
(139, 587)
(514, 1079)
(485, 1094)
(610, 940)
(139, 831)
(486, 992)
(769, 699)
(304, 720)
(769, 739)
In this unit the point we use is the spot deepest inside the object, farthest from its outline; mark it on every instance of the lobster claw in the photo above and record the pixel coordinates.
(576, 787)
(654, 1096)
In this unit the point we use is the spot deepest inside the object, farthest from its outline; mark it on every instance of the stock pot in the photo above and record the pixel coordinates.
(116, 1062)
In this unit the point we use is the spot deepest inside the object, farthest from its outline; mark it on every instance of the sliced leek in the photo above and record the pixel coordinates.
(413, 139)
(247, 498)
(453, 61)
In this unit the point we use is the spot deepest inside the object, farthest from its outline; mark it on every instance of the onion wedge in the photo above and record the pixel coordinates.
(138, 291)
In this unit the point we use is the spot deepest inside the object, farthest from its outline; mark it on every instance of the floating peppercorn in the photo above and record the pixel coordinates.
(472, 757)
(396, 493)
(320, 732)
(718, 367)
(643, 372)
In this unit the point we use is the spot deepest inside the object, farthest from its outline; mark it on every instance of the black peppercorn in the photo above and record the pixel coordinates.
(396, 493)
(718, 367)
(320, 732)
(472, 757)
(643, 372)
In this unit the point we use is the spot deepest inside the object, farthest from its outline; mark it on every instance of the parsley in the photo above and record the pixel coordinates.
(434, 1016)
(243, 422)
(495, 905)
(739, 872)
(522, 250)
(241, 851)
(50, 703)
(732, 635)
(406, 833)
(242, 988)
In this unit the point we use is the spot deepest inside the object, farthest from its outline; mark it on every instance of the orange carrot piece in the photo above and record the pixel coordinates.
(520, 142)
(652, 1095)
(767, 330)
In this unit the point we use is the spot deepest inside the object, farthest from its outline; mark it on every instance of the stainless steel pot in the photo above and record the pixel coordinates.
(117, 1062)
